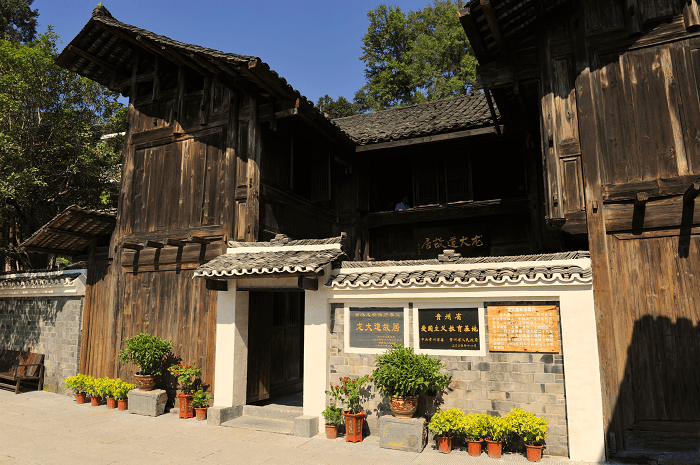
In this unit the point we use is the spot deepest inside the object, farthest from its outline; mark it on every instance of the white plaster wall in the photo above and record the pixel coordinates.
(316, 352)
(579, 345)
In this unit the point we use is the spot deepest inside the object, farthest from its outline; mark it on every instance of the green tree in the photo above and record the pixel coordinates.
(336, 108)
(17, 20)
(51, 156)
(416, 57)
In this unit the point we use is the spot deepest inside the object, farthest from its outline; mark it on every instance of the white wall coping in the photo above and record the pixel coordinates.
(45, 283)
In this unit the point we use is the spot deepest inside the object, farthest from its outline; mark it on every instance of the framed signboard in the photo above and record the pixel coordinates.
(450, 330)
(523, 328)
(373, 329)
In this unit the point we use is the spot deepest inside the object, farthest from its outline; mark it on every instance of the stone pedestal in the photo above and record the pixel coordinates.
(402, 434)
(149, 403)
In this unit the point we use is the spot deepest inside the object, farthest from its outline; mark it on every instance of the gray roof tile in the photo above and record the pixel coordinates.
(430, 118)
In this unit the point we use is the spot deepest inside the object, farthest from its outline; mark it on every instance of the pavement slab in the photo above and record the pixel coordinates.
(47, 428)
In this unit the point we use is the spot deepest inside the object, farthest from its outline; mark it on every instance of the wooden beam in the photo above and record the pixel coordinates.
(52, 251)
(466, 18)
(692, 192)
(89, 57)
(487, 92)
(132, 246)
(427, 139)
(308, 284)
(198, 240)
(282, 110)
(663, 187)
(217, 285)
(75, 233)
(641, 199)
(155, 244)
(491, 20)
(175, 242)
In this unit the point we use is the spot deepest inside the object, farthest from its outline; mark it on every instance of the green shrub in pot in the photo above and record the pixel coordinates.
(147, 352)
(401, 372)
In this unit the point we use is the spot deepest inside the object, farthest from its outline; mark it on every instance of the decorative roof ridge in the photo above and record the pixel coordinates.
(281, 240)
(470, 260)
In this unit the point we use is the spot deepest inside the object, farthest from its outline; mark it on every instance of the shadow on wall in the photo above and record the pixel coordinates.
(22, 319)
(660, 386)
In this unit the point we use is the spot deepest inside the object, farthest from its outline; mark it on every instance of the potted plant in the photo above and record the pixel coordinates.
(97, 389)
(348, 393)
(110, 386)
(78, 384)
(121, 393)
(496, 430)
(334, 417)
(445, 424)
(200, 403)
(147, 352)
(531, 428)
(402, 375)
(474, 432)
(185, 375)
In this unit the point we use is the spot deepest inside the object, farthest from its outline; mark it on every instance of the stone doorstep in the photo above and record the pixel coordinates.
(262, 424)
(273, 412)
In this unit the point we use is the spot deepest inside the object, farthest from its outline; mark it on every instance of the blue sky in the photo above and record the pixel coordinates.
(314, 44)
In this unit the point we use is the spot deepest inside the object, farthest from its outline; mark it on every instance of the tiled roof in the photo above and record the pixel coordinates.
(282, 256)
(465, 271)
(430, 118)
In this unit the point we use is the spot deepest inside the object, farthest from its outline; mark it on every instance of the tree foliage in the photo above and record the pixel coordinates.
(410, 58)
(17, 20)
(51, 156)
(336, 108)
(416, 57)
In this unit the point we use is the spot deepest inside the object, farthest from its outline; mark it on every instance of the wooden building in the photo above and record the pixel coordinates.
(614, 86)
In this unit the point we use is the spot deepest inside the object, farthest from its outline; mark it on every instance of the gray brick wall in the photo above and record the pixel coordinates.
(494, 383)
(47, 325)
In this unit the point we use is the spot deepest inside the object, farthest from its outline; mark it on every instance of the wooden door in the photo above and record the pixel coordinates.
(287, 329)
(259, 345)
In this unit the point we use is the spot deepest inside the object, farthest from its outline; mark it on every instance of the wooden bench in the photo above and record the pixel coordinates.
(18, 366)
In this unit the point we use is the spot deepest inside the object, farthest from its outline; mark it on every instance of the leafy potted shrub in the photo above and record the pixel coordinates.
(474, 432)
(185, 375)
(348, 393)
(531, 428)
(334, 417)
(79, 384)
(97, 390)
(110, 386)
(496, 430)
(445, 424)
(121, 393)
(147, 352)
(200, 403)
(402, 375)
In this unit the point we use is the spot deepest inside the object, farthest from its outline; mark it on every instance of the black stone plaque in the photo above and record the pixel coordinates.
(449, 329)
(376, 327)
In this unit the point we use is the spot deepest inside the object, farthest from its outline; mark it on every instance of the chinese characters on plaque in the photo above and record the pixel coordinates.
(526, 328)
(449, 328)
(376, 328)
(452, 242)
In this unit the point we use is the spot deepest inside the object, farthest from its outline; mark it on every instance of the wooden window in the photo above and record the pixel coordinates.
(442, 178)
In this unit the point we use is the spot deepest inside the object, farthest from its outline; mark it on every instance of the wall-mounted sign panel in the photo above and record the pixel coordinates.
(449, 329)
(376, 327)
(524, 328)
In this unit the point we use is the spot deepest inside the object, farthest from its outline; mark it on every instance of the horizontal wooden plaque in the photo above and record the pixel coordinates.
(524, 328)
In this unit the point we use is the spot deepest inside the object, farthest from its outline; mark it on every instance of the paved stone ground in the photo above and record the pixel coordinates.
(46, 428)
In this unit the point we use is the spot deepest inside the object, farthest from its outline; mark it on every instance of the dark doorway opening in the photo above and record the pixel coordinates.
(275, 346)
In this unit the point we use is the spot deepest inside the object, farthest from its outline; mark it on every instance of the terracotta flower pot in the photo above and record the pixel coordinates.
(404, 407)
(444, 444)
(494, 448)
(95, 400)
(534, 453)
(145, 382)
(353, 426)
(185, 401)
(201, 413)
(331, 431)
(80, 397)
(123, 404)
(474, 448)
(111, 402)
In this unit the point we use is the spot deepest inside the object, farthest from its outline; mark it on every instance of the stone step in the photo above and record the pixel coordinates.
(262, 424)
(663, 441)
(273, 412)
